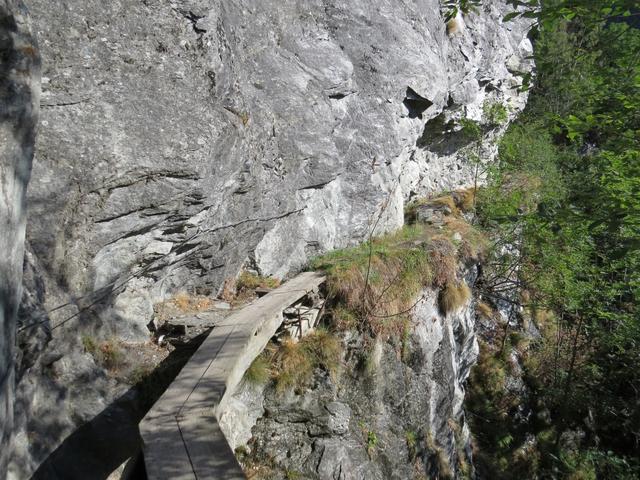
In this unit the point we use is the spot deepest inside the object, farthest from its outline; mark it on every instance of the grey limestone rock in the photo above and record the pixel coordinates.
(360, 426)
(19, 106)
(182, 140)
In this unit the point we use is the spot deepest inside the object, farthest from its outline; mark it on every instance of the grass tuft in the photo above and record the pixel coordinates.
(465, 199)
(259, 371)
(474, 244)
(443, 258)
(187, 303)
(106, 353)
(377, 280)
(251, 281)
(445, 201)
(441, 459)
(294, 362)
(484, 310)
(453, 297)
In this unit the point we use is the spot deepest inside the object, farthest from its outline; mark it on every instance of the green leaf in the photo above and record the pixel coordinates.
(510, 16)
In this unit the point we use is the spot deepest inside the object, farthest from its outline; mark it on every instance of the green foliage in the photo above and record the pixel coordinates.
(495, 113)
(259, 371)
(566, 192)
(471, 129)
(372, 440)
(464, 6)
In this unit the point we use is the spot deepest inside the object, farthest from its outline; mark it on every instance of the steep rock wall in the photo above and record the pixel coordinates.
(182, 140)
(19, 100)
(401, 419)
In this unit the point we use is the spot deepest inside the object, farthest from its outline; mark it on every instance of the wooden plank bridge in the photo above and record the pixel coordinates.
(181, 436)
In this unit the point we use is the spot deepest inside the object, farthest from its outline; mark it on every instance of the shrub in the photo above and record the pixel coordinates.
(495, 113)
(453, 297)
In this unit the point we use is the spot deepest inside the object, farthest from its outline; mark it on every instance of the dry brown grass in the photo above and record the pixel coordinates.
(484, 310)
(443, 257)
(445, 201)
(187, 303)
(228, 293)
(465, 199)
(293, 363)
(453, 297)
(474, 243)
(441, 460)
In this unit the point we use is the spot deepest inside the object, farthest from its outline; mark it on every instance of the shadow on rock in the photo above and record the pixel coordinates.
(100, 446)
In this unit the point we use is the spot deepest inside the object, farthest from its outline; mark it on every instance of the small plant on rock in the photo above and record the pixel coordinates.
(453, 297)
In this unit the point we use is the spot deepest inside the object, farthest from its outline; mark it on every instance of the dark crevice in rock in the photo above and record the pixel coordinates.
(193, 18)
(415, 103)
(317, 186)
(441, 137)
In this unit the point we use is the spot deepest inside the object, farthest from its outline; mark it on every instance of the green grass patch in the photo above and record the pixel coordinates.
(259, 371)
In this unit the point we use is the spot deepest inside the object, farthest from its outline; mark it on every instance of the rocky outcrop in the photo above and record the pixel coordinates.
(400, 418)
(183, 140)
(19, 100)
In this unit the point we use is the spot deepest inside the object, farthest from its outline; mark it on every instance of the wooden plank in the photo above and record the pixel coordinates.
(178, 392)
(181, 436)
(209, 450)
(165, 454)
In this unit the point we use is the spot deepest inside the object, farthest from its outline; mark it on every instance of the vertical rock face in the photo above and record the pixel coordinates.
(401, 420)
(19, 105)
(182, 140)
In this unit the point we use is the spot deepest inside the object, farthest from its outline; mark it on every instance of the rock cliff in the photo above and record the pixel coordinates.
(400, 419)
(19, 100)
(183, 140)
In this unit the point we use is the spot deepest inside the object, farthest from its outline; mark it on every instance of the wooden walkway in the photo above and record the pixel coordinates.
(181, 436)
